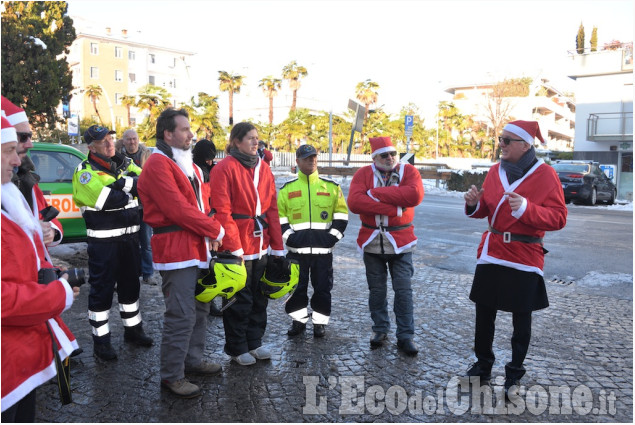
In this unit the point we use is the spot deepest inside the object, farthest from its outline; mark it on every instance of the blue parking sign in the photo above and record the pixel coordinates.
(408, 124)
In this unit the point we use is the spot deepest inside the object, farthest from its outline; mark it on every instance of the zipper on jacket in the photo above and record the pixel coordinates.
(308, 185)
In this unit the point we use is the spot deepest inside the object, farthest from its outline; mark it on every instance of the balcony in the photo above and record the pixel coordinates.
(610, 127)
(605, 62)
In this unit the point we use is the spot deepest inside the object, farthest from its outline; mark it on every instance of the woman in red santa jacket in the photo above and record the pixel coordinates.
(521, 198)
(244, 197)
(29, 309)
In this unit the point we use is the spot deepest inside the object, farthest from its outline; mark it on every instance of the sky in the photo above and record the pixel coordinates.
(413, 49)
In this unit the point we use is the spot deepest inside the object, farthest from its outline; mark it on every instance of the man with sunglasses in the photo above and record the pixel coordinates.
(25, 178)
(521, 198)
(385, 194)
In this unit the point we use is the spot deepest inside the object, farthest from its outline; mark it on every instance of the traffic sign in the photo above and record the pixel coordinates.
(408, 124)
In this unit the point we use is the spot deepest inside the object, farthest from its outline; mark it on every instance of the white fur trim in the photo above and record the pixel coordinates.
(9, 135)
(383, 150)
(519, 131)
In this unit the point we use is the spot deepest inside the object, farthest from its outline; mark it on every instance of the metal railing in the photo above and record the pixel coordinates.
(610, 127)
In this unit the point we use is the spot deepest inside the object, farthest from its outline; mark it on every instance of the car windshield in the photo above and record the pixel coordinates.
(571, 168)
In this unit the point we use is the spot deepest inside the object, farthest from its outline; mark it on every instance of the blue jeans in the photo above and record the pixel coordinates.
(401, 271)
(145, 233)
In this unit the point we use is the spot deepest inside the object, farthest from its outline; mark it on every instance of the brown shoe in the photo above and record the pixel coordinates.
(182, 388)
(205, 368)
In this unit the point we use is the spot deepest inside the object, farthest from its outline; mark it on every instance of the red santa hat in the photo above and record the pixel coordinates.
(381, 145)
(14, 114)
(526, 130)
(8, 132)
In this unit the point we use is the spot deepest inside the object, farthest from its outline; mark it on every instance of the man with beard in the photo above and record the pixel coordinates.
(170, 188)
(384, 194)
(105, 188)
(26, 179)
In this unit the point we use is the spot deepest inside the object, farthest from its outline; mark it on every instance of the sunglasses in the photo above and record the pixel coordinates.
(387, 154)
(24, 137)
(505, 141)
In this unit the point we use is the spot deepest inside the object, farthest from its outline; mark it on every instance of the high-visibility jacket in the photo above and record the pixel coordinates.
(313, 214)
(106, 190)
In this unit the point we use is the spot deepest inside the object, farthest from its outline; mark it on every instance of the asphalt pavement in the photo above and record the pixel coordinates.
(579, 365)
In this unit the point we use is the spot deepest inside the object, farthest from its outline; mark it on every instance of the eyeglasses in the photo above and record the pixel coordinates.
(387, 154)
(24, 137)
(505, 141)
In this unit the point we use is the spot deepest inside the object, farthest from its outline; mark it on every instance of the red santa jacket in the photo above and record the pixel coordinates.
(384, 206)
(41, 203)
(248, 192)
(169, 200)
(27, 348)
(544, 210)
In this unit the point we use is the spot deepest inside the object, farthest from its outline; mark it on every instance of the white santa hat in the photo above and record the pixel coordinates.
(381, 145)
(526, 130)
(8, 132)
(14, 114)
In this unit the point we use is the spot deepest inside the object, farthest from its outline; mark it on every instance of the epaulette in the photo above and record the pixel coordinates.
(329, 180)
(289, 181)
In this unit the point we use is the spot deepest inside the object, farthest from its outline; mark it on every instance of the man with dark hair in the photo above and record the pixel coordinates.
(264, 153)
(105, 188)
(170, 189)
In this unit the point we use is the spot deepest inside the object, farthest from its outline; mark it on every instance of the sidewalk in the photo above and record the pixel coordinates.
(581, 344)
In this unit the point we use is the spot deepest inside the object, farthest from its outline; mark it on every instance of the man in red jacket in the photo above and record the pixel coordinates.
(385, 194)
(170, 189)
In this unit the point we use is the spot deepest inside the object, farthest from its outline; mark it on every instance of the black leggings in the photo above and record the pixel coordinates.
(23, 411)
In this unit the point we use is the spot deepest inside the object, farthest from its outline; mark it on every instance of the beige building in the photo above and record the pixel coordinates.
(554, 111)
(120, 62)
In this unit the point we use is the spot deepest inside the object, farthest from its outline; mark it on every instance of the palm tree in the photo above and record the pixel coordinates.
(204, 115)
(128, 101)
(293, 72)
(270, 87)
(154, 99)
(230, 83)
(94, 92)
(366, 93)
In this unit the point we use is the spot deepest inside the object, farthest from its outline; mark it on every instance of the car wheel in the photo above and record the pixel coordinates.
(593, 197)
(611, 200)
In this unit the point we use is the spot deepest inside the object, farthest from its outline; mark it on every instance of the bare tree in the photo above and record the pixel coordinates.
(498, 109)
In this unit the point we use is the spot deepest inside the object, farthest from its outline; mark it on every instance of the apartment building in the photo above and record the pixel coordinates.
(554, 110)
(120, 62)
(604, 116)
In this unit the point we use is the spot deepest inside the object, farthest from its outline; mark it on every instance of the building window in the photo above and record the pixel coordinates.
(118, 52)
(119, 121)
(152, 58)
(94, 73)
(132, 77)
(173, 63)
(94, 48)
(133, 121)
(151, 79)
(118, 75)
(118, 98)
(174, 83)
(132, 55)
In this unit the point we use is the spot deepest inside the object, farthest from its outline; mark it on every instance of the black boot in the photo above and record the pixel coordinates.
(135, 335)
(104, 351)
(296, 328)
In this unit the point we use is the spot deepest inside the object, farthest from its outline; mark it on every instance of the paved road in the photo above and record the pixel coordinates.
(582, 344)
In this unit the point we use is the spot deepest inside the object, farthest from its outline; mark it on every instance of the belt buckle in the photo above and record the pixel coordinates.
(507, 237)
(257, 233)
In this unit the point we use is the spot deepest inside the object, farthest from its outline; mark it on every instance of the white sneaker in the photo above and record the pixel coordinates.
(245, 359)
(261, 353)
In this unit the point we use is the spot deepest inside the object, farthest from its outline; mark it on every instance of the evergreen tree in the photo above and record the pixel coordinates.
(594, 39)
(35, 73)
(579, 40)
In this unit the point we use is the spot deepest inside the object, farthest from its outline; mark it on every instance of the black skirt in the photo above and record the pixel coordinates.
(507, 289)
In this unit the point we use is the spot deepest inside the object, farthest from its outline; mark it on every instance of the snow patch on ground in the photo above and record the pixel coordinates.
(601, 279)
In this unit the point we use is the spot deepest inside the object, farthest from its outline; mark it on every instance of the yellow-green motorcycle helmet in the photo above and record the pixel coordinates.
(280, 277)
(226, 276)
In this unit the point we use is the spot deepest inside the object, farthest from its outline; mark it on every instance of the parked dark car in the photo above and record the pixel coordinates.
(584, 181)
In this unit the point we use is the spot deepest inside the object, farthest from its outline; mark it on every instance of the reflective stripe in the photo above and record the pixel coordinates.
(102, 330)
(319, 319)
(128, 185)
(284, 220)
(301, 315)
(112, 232)
(340, 216)
(286, 234)
(133, 321)
(310, 250)
(132, 204)
(129, 308)
(101, 200)
(98, 316)
(308, 225)
(336, 233)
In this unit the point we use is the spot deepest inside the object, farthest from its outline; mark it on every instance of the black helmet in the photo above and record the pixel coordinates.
(280, 278)
(226, 276)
